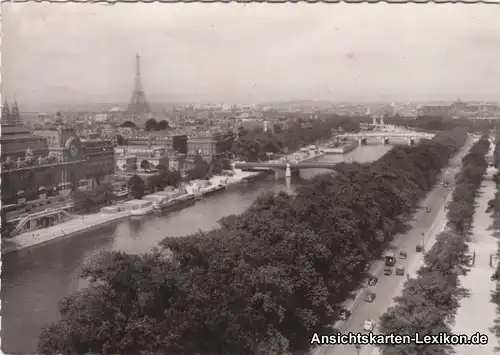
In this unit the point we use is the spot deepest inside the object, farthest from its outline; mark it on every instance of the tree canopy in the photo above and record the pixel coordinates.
(200, 170)
(264, 280)
(137, 186)
(440, 123)
(154, 125)
(128, 124)
(91, 200)
(429, 302)
(163, 179)
(120, 140)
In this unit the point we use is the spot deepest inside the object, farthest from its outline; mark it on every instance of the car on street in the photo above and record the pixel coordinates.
(369, 325)
(370, 296)
(400, 271)
(403, 255)
(372, 281)
(344, 314)
(387, 271)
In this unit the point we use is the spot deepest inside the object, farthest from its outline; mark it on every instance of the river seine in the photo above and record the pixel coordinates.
(35, 280)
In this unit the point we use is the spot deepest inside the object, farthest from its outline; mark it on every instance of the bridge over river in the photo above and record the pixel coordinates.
(385, 136)
(288, 167)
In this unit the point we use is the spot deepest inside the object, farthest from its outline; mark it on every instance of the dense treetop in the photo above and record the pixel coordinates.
(263, 281)
(439, 123)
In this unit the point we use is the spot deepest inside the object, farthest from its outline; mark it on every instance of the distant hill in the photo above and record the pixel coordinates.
(296, 104)
(88, 107)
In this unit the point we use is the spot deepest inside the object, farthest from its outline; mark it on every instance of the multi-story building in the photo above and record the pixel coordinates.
(48, 166)
(15, 140)
(99, 159)
(210, 146)
(170, 140)
(140, 158)
(125, 163)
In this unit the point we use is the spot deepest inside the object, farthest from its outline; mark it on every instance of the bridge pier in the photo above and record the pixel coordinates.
(384, 140)
(361, 141)
(288, 171)
(411, 141)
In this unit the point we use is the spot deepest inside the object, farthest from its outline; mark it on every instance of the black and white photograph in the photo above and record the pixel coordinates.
(250, 178)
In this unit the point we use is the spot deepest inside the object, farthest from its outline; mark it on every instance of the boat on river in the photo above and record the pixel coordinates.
(139, 207)
(176, 203)
(207, 191)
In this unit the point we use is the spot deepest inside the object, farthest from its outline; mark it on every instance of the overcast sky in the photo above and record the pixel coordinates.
(78, 53)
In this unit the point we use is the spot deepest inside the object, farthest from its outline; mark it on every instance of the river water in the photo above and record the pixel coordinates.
(35, 280)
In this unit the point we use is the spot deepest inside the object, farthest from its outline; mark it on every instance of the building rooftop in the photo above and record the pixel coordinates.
(13, 129)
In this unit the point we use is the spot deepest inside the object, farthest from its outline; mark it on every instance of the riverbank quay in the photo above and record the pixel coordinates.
(311, 157)
(84, 223)
(70, 228)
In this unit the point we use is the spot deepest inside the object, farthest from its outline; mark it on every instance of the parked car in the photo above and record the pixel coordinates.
(370, 296)
(372, 281)
(400, 271)
(344, 314)
(403, 255)
(387, 271)
(369, 325)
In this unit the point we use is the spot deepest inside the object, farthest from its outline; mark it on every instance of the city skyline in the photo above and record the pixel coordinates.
(250, 53)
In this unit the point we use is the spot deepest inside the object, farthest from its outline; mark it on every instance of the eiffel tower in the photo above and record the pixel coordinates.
(138, 104)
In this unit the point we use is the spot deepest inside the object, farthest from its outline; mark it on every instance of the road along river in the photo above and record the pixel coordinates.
(388, 287)
(35, 280)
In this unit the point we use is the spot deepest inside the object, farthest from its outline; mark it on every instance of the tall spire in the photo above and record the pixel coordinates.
(5, 112)
(15, 114)
(138, 103)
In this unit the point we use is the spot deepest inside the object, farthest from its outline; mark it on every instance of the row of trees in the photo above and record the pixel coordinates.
(91, 200)
(254, 145)
(150, 125)
(494, 209)
(263, 281)
(429, 302)
(138, 187)
(439, 123)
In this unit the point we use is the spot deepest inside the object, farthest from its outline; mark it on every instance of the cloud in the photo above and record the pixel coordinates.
(229, 52)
